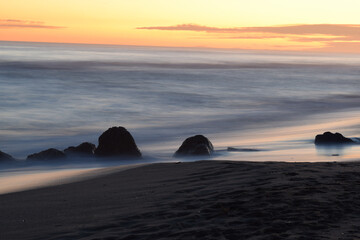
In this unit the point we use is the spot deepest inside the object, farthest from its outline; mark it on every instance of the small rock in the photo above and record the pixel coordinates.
(50, 154)
(84, 149)
(332, 138)
(195, 146)
(232, 149)
(4, 157)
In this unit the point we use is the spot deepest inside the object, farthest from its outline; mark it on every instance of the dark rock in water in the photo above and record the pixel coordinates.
(195, 146)
(50, 154)
(84, 149)
(231, 149)
(4, 157)
(117, 142)
(332, 138)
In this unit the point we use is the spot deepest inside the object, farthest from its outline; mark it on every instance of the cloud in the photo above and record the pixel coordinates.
(327, 34)
(192, 27)
(16, 23)
(344, 47)
(300, 29)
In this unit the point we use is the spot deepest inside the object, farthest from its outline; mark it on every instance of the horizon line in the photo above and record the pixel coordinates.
(302, 51)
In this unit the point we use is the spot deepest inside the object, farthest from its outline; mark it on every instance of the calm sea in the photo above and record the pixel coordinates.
(57, 95)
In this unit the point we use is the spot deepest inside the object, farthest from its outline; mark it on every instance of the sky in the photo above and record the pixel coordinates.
(307, 25)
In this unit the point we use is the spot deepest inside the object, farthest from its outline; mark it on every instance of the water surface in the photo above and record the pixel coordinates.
(57, 95)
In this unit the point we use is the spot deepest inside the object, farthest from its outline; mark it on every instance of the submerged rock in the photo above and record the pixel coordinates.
(195, 146)
(117, 142)
(4, 157)
(50, 154)
(332, 138)
(84, 149)
(232, 149)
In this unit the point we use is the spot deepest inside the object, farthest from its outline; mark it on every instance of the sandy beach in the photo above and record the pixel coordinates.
(195, 200)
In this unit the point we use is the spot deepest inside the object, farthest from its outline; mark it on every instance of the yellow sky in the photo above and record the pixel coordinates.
(188, 23)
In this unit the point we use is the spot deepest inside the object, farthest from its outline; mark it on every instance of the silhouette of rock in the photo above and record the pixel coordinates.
(50, 154)
(4, 157)
(332, 138)
(117, 142)
(84, 149)
(232, 149)
(195, 146)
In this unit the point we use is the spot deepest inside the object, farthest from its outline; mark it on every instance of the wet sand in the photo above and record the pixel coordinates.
(31, 179)
(197, 200)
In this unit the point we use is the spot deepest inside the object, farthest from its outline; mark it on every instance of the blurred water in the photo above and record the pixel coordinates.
(57, 95)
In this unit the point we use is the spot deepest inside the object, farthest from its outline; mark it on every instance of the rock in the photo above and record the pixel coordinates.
(195, 146)
(117, 142)
(332, 138)
(84, 149)
(50, 154)
(232, 149)
(4, 157)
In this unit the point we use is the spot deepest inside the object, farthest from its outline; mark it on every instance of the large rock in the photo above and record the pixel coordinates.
(195, 146)
(332, 138)
(117, 142)
(4, 157)
(50, 154)
(83, 150)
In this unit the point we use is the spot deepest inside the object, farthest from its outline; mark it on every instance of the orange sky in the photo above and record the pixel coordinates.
(319, 25)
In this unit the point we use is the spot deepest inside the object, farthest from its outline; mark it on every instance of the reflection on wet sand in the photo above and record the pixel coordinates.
(20, 180)
(33, 179)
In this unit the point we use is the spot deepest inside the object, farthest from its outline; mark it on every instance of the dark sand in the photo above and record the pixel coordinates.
(198, 200)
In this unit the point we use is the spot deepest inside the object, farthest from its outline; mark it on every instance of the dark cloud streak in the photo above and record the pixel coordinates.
(17, 23)
(301, 32)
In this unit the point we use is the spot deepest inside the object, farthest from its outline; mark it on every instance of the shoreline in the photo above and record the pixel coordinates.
(37, 179)
(189, 200)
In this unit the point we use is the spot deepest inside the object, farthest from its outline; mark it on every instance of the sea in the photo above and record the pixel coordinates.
(268, 104)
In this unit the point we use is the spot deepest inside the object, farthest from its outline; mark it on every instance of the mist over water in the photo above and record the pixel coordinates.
(57, 95)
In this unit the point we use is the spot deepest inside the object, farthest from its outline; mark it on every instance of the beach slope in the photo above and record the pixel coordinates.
(197, 200)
